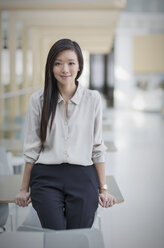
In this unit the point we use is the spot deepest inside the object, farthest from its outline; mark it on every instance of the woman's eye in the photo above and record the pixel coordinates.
(57, 63)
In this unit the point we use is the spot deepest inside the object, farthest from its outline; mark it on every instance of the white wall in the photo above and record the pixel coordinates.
(125, 81)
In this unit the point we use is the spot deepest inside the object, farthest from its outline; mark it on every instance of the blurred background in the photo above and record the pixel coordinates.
(123, 47)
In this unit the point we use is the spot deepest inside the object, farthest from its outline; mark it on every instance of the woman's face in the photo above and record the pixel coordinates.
(66, 67)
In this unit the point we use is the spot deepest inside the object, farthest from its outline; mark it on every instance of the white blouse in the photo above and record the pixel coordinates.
(75, 138)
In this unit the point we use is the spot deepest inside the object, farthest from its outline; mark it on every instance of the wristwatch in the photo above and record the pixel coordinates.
(104, 187)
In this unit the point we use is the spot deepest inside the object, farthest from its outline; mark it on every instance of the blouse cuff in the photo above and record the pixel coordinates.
(29, 160)
(100, 159)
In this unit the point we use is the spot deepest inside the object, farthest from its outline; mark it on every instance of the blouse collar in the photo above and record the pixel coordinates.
(76, 97)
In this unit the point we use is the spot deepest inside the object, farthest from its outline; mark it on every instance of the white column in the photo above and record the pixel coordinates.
(24, 98)
(1, 86)
(36, 58)
(12, 44)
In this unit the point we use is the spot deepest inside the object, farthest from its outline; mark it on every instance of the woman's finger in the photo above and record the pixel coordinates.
(106, 202)
(100, 201)
(115, 201)
(103, 201)
(28, 201)
(22, 202)
(110, 202)
(19, 203)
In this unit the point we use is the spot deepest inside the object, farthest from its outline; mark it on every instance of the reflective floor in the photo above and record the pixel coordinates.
(138, 167)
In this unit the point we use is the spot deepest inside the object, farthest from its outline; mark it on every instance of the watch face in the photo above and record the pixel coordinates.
(105, 186)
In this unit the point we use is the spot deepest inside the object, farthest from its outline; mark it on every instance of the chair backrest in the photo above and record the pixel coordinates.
(81, 238)
(4, 170)
(4, 164)
(4, 212)
(31, 222)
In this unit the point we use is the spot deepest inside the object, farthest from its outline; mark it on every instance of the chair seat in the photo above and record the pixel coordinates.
(32, 221)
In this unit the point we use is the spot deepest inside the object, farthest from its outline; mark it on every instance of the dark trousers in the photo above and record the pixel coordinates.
(65, 196)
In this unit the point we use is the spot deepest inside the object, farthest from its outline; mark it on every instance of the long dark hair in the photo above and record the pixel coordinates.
(50, 86)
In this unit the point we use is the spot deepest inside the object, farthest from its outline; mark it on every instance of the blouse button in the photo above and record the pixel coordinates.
(66, 153)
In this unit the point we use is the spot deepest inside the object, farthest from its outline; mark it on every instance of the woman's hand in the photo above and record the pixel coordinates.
(23, 199)
(106, 200)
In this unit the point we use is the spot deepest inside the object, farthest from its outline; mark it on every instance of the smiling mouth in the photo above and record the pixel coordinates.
(64, 76)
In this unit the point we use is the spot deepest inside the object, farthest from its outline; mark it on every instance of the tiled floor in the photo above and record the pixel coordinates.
(138, 167)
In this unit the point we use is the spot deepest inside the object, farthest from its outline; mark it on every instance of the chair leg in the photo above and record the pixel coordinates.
(11, 222)
(2, 229)
(99, 222)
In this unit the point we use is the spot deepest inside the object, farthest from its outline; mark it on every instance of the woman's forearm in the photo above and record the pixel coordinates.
(26, 177)
(100, 168)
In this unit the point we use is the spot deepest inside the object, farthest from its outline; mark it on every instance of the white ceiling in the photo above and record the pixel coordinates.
(93, 25)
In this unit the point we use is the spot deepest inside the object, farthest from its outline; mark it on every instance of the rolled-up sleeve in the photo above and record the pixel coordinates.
(98, 152)
(32, 143)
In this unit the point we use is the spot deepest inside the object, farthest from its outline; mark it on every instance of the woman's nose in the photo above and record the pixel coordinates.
(65, 68)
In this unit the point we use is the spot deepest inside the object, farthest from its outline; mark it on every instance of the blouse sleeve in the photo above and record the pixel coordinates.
(32, 143)
(98, 152)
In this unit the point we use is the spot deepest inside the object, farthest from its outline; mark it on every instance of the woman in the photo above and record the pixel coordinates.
(63, 146)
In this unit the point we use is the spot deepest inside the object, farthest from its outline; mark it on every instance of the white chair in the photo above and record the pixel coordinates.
(31, 222)
(4, 213)
(81, 238)
(5, 169)
(75, 238)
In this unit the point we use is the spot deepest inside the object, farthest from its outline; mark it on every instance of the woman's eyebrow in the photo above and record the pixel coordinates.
(68, 60)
